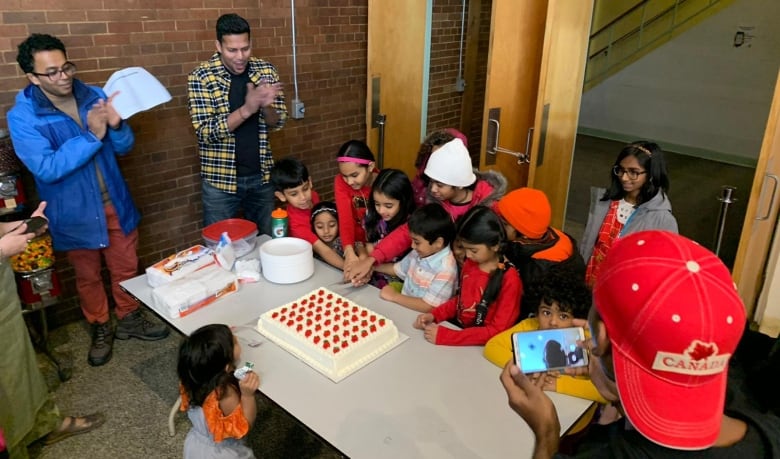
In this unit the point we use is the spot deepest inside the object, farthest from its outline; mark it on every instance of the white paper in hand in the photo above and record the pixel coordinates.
(138, 90)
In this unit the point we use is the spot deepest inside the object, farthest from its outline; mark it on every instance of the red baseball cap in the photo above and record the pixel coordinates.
(674, 318)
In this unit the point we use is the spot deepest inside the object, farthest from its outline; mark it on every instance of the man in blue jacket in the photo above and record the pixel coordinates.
(68, 135)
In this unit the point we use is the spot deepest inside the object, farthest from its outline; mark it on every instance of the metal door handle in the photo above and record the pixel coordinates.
(522, 158)
(381, 120)
(772, 199)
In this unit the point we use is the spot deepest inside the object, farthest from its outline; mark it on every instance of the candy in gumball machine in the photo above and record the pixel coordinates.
(39, 288)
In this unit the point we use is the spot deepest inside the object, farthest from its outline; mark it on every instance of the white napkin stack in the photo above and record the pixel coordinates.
(193, 291)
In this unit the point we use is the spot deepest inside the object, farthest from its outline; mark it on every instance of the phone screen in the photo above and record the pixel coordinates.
(548, 350)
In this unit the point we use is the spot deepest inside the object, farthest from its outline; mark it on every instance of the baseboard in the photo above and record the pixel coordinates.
(687, 150)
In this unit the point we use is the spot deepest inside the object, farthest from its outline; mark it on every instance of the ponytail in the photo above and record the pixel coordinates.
(492, 291)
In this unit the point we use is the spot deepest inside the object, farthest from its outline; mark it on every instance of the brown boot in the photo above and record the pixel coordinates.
(102, 343)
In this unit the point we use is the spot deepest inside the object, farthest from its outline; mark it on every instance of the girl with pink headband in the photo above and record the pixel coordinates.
(352, 188)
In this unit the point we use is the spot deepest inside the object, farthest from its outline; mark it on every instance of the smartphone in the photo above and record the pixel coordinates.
(34, 224)
(549, 350)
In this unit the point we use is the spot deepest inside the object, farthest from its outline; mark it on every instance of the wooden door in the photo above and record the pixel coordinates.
(535, 72)
(762, 213)
(516, 44)
(398, 55)
(561, 76)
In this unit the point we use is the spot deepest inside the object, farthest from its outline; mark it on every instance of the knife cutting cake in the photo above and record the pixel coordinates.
(330, 333)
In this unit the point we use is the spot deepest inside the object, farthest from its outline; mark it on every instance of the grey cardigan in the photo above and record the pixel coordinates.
(653, 214)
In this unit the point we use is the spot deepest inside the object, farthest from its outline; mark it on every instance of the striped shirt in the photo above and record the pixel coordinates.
(433, 278)
(208, 87)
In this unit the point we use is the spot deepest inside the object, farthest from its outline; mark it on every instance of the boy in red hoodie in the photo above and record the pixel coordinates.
(292, 186)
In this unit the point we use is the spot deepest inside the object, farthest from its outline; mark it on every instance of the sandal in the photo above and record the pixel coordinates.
(71, 426)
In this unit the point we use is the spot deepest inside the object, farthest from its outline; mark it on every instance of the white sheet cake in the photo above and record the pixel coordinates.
(330, 333)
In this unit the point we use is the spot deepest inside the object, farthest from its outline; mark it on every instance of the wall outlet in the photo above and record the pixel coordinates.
(298, 109)
(460, 85)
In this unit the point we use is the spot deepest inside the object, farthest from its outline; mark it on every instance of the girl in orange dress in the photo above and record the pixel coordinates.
(221, 407)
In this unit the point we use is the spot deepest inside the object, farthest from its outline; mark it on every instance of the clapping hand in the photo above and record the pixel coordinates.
(112, 116)
(261, 95)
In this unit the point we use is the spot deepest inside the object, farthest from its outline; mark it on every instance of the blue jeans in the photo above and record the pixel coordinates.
(255, 198)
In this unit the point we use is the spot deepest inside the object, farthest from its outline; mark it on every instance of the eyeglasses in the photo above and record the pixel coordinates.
(633, 174)
(68, 68)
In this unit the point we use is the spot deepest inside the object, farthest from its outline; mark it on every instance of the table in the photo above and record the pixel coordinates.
(418, 400)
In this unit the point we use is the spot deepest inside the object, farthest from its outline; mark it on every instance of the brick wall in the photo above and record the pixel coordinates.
(169, 41)
(444, 102)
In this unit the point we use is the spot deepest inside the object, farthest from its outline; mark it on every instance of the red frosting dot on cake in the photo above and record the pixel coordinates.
(299, 327)
(336, 350)
(307, 333)
(363, 313)
(309, 322)
(335, 328)
(364, 333)
(290, 323)
(345, 323)
(321, 292)
(325, 344)
(372, 328)
(330, 296)
(336, 338)
(372, 318)
(337, 317)
(326, 333)
(316, 339)
(318, 327)
(381, 322)
(274, 315)
(344, 344)
(346, 333)
(354, 338)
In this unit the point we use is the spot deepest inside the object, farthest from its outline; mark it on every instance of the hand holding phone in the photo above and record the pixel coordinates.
(34, 224)
(549, 350)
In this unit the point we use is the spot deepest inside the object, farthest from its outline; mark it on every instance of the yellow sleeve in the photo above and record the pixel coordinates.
(499, 348)
(579, 386)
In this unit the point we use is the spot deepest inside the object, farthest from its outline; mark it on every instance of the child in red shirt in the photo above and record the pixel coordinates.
(292, 185)
(352, 188)
(488, 300)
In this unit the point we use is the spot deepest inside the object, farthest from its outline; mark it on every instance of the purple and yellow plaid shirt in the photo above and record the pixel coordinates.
(208, 87)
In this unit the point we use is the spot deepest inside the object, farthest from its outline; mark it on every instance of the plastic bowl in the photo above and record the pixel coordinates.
(286, 260)
(242, 232)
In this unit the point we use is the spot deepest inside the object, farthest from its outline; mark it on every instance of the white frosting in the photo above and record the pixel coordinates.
(329, 332)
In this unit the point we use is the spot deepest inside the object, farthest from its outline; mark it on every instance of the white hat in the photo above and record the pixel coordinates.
(451, 165)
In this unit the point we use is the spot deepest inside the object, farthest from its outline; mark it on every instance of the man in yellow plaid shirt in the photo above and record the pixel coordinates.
(234, 101)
